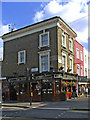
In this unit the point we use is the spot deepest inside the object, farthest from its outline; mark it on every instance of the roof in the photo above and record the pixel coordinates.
(56, 17)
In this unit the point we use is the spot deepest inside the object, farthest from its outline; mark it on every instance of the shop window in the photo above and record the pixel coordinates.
(47, 87)
(57, 87)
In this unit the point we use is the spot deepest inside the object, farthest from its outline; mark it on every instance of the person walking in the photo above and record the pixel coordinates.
(79, 91)
(86, 91)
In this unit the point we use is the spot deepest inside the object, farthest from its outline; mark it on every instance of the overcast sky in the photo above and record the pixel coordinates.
(20, 14)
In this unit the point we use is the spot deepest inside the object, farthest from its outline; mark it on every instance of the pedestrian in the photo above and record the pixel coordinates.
(79, 91)
(86, 91)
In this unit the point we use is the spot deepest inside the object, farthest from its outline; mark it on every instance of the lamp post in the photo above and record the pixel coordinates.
(30, 88)
(29, 77)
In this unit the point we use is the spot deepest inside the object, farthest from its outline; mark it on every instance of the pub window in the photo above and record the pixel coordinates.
(57, 87)
(23, 88)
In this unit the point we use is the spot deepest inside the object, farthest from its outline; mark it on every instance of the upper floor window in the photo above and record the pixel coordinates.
(85, 71)
(81, 55)
(77, 52)
(71, 64)
(70, 45)
(21, 56)
(63, 39)
(64, 62)
(78, 69)
(44, 39)
(44, 61)
(81, 70)
(85, 59)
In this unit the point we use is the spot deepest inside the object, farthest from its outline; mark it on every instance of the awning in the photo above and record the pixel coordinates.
(82, 83)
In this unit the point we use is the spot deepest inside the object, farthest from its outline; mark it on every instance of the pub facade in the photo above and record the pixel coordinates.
(38, 62)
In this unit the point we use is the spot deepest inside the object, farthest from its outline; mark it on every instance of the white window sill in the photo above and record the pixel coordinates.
(43, 46)
(71, 50)
(21, 63)
(64, 46)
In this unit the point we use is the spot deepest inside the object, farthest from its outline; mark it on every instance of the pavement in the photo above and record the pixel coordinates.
(61, 105)
(72, 108)
(22, 105)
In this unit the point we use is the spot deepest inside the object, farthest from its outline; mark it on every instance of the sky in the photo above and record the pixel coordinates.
(21, 14)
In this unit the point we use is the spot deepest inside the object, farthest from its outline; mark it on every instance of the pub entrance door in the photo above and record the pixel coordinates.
(47, 90)
(13, 92)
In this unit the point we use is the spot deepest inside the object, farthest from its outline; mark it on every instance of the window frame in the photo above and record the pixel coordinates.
(19, 61)
(44, 54)
(79, 69)
(76, 52)
(71, 49)
(63, 34)
(40, 40)
(85, 59)
(63, 54)
(82, 55)
(72, 63)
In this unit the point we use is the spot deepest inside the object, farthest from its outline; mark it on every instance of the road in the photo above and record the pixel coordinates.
(76, 108)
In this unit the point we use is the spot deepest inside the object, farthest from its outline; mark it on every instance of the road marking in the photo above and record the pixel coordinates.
(53, 108)
(78, 111)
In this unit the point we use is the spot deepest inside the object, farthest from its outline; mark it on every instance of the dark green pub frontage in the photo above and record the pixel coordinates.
(46, 86)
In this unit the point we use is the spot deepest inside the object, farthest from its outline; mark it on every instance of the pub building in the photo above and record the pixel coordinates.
(39, 62)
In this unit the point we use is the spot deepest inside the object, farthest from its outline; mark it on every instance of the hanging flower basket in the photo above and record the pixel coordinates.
(64, 84)
(72, 83)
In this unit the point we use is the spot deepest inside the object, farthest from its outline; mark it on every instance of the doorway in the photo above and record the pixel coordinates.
(13, 92)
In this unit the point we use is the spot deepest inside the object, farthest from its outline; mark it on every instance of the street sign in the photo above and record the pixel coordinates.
(34, 70)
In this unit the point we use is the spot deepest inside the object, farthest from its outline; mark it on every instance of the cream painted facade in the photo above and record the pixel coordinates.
(88, 65)
(85, 62)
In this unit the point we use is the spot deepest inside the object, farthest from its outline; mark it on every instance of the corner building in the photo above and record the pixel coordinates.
(46, 49)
